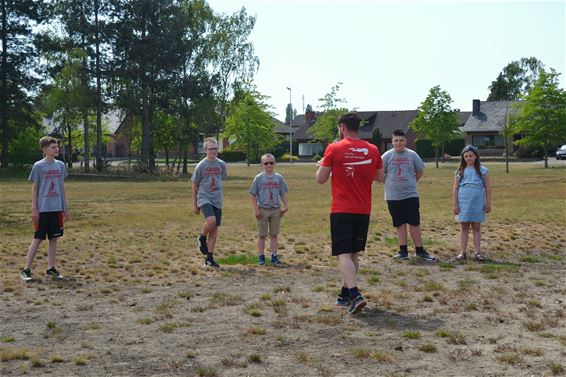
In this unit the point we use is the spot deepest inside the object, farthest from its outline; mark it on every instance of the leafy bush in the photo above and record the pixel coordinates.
(286, 156)
(232, 156)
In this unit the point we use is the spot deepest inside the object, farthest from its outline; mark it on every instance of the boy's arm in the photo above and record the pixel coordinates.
(379, 176)
(487, 183)
(34, 209)
(66, 214)
(256, 207)
(419, 174)
(455, 206)
(285, 203)
(323, 173)
(196, 208)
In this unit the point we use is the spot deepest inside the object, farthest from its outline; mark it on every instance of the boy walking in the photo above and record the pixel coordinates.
(49, 208)
(207, 197)
(354, 164)
(266, 190)
(402, 169)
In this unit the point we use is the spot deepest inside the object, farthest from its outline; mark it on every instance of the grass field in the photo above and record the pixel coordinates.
(135, 277)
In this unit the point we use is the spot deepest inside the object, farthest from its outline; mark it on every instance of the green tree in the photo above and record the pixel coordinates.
(249, 125)
(541, 118)
(325, 127)
(18, 58)
(436, 120)
(515, 80)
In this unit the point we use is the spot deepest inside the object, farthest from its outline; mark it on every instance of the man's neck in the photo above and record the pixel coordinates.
(351, 135)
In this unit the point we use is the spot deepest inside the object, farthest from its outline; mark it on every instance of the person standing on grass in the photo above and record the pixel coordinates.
(49, 208)
(267, 187)
(207, 197)
(402, 169)
(471, 199)
(354, 165)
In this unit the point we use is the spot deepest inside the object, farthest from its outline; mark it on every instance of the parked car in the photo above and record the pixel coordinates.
(561, 153)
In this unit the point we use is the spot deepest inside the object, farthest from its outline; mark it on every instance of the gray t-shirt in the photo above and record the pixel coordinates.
(49, 177)
(268, 188)
(400, 174)
(209, 176)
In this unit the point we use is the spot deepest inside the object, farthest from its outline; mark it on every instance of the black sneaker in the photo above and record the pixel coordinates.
(54, 274)
(401, 255)
(425, 256)
(202, 246)
(341, 301)
(211, 263)
(357, 304)
(25, 275)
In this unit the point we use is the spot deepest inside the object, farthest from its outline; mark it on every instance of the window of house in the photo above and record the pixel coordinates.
(488, 141)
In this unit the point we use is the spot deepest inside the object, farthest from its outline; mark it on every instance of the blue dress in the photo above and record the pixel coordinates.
(471, 196)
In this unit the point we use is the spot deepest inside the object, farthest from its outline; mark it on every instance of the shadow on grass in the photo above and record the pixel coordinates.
(382, 319)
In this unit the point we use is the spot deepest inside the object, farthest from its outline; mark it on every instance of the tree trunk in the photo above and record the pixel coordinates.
(167, 157)
(436, 156)
(545, 158)
(4, 89)
(185, 161)
(442, 152)
(70, 145)
(98, 91)
(87, 144)
(506, 155)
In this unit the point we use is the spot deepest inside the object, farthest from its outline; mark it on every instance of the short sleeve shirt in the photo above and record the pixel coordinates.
(471, 177)
(49, 177)
(209, 175)
(400, 169)
(268, 188)
(354, 163)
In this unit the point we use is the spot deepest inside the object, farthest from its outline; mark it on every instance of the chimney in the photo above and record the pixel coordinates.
(475, 107)
(309, 116)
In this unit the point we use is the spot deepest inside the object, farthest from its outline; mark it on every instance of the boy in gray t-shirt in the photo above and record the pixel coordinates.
(266, 190)
(402, 168)
(48, 205)
(207, 197)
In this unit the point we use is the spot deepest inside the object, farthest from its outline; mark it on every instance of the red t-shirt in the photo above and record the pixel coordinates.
(354, 163)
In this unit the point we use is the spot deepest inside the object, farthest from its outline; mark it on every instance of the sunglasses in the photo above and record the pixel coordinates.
(269, 163)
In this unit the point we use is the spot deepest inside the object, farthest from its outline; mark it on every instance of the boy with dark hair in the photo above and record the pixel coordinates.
(354, 165)
(402, 168)
(207, 196)
(49, 208)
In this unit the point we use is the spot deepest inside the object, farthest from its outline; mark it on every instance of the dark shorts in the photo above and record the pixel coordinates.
(404, 211)
(208, 210)
(50, 225)
(349, 232)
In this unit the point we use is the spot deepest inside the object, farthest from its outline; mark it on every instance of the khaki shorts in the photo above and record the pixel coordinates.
(271, 217)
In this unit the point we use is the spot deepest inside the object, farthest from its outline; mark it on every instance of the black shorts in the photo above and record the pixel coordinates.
(50, 224)
(349, 232)
(404, 211)
(209, 210)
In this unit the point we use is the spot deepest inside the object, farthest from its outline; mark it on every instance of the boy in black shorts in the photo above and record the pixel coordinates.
(402, 168)
(49, 209)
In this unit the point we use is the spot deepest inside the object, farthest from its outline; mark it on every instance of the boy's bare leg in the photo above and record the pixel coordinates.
(402, 234)
(51, 252)
(261, 245)
(416, 235)
(273, 244)
(32, 251)
(211, 241)
(209, 225)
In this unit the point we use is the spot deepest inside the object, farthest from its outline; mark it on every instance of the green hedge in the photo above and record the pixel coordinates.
(232, 156)
(453, 148)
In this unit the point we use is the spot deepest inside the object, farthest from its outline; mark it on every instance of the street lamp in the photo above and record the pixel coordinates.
(290, 127)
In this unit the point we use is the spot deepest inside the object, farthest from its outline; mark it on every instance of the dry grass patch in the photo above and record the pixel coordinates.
(254, 309)
(9, 354)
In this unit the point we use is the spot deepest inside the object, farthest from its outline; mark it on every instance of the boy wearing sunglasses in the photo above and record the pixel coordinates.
(268, 190)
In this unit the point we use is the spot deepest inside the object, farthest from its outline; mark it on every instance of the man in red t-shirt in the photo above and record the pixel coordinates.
(354, 165)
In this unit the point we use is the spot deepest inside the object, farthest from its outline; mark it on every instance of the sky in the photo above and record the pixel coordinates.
(389, 54)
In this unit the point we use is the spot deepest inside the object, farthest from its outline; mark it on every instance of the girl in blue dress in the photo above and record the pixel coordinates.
(472, 199)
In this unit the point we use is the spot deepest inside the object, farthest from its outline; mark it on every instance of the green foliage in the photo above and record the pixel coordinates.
(515, 80)
(232, 156)
(425, 149)
(250, 126)
(436, 120)
(325, 128)
(541, 118)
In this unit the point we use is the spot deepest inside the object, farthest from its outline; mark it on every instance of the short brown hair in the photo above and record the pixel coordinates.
(209, 140)
(351, 120)
(46, 141)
